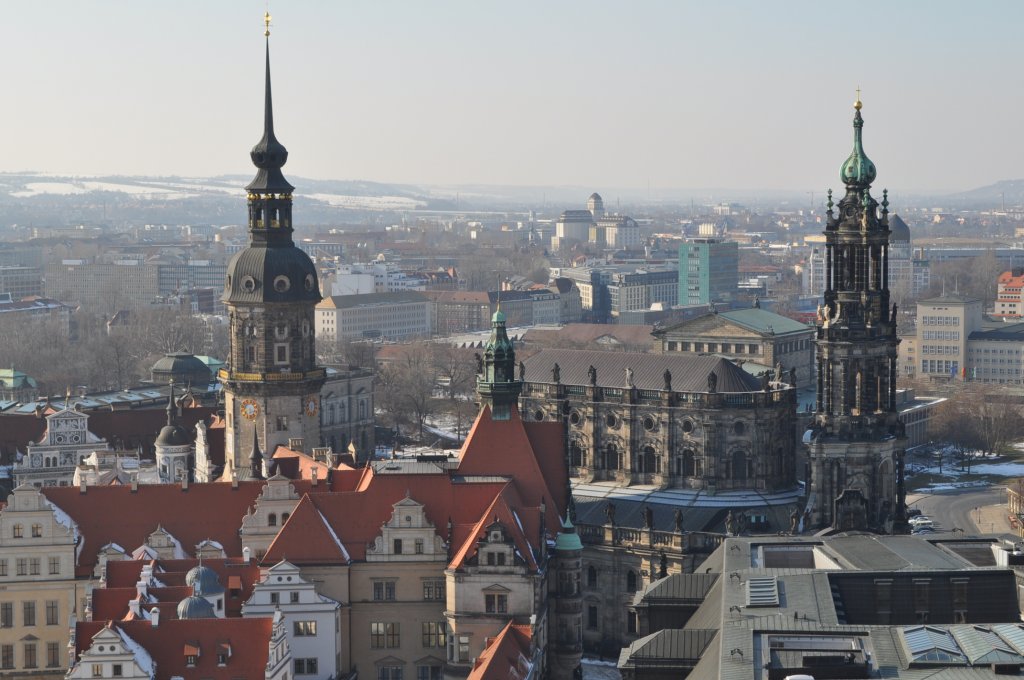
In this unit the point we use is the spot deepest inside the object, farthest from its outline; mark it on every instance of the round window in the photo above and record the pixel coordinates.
(687, 426)
(650, 423)
(611, 420)
(248, 284)
(575, 418)
(282, 284)
(739, 427)
(538, 415)
(310, 282)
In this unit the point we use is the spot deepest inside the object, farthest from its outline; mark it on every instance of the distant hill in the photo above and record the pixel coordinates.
(1008, 191)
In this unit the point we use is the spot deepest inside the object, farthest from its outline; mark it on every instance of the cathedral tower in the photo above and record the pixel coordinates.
(857, 440)
(271, 381)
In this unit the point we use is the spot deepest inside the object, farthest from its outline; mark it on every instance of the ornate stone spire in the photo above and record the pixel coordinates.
(171, 410)
(256, 457)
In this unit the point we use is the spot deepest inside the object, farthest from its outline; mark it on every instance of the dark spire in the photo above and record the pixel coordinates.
(256, 457)
(269, 155)
(170, 406)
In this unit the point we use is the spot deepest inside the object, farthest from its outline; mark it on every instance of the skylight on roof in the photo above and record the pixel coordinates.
(928, 645)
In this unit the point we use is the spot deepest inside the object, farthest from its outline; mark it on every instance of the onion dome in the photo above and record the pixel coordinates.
(172, 434)
(195, 607)
(858, 170)
(204, 581)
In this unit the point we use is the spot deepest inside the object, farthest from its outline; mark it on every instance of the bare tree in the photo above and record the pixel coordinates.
(455, 369)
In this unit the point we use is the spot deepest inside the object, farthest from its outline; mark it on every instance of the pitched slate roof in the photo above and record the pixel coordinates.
(249, 640)
(689, 371)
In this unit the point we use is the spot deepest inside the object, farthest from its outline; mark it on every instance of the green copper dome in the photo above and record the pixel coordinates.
(858, 170)
(567, 539)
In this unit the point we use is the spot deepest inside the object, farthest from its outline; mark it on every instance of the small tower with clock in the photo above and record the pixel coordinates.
(271, 380)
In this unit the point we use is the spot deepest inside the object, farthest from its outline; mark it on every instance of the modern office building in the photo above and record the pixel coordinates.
(708, 271)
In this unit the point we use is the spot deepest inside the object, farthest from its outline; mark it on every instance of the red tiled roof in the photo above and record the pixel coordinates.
(305, 538)
(515, 523)
(233, 573)
(302, 464)
(504, 447)
(116, 514)
(503, 654)
(165, 643)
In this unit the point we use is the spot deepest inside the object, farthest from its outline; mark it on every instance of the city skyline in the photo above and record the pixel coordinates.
(656, 95)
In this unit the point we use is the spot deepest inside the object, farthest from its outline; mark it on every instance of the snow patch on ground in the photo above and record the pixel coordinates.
(369, 202)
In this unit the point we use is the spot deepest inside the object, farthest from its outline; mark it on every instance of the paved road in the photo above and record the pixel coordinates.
(956, 509)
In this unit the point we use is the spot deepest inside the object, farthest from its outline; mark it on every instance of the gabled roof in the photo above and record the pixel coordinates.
(754, 319)
(307, 539)
(515, 526)
(507, 655)
(165, 644)
(123, 575)
(535, 463)
(117, 514)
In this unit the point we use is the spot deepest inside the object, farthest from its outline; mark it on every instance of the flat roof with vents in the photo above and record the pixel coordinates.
(763, 591)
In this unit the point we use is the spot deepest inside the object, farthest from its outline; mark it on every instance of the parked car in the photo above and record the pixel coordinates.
(913, 512)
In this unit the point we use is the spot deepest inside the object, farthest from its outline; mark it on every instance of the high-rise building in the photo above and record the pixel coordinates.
(271, 382)
(857, 441)
(708, 271)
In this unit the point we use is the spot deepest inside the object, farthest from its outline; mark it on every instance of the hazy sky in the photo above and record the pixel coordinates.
(599, 94)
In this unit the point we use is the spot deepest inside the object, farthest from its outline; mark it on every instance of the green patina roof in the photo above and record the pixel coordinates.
(858, 168)
(567, 538)
(12, 378)
(761, 321)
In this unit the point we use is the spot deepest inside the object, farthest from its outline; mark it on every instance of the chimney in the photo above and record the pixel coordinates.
(184, 483)
(246, 554)
(134, 608)
(313, 471)
(81, 485)
(135, 483)
(141, 589)
(295, 444)
(154, 616)
(234, 479)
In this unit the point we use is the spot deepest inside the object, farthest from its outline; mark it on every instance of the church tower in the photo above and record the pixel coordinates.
(857, 440)
(271, 381)
(496, 380)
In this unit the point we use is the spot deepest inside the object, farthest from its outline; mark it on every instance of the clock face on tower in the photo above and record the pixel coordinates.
(250, 409)
(312, 406)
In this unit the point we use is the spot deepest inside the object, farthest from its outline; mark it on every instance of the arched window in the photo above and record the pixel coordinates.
(591, 577)
(688, 466)
(330, 414)
(739, 465)
(272, 519)
(648, 461)
(362, 409)
(611, 457)
(576, 457)
(631, 581)
(284, 517)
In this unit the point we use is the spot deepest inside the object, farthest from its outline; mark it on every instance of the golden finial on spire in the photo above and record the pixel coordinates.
(857, 104)
(266, 24)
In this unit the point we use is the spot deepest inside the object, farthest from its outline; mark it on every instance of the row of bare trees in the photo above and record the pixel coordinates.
(101, 358)
(979, 417)
(424, 380)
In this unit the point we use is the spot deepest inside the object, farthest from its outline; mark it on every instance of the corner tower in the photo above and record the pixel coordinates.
(857, 440)
(271, 380)
(496, 380)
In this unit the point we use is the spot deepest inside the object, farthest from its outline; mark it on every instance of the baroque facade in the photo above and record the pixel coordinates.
(674, 421)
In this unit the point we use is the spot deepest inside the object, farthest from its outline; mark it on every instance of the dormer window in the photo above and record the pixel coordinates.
(495, 559)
